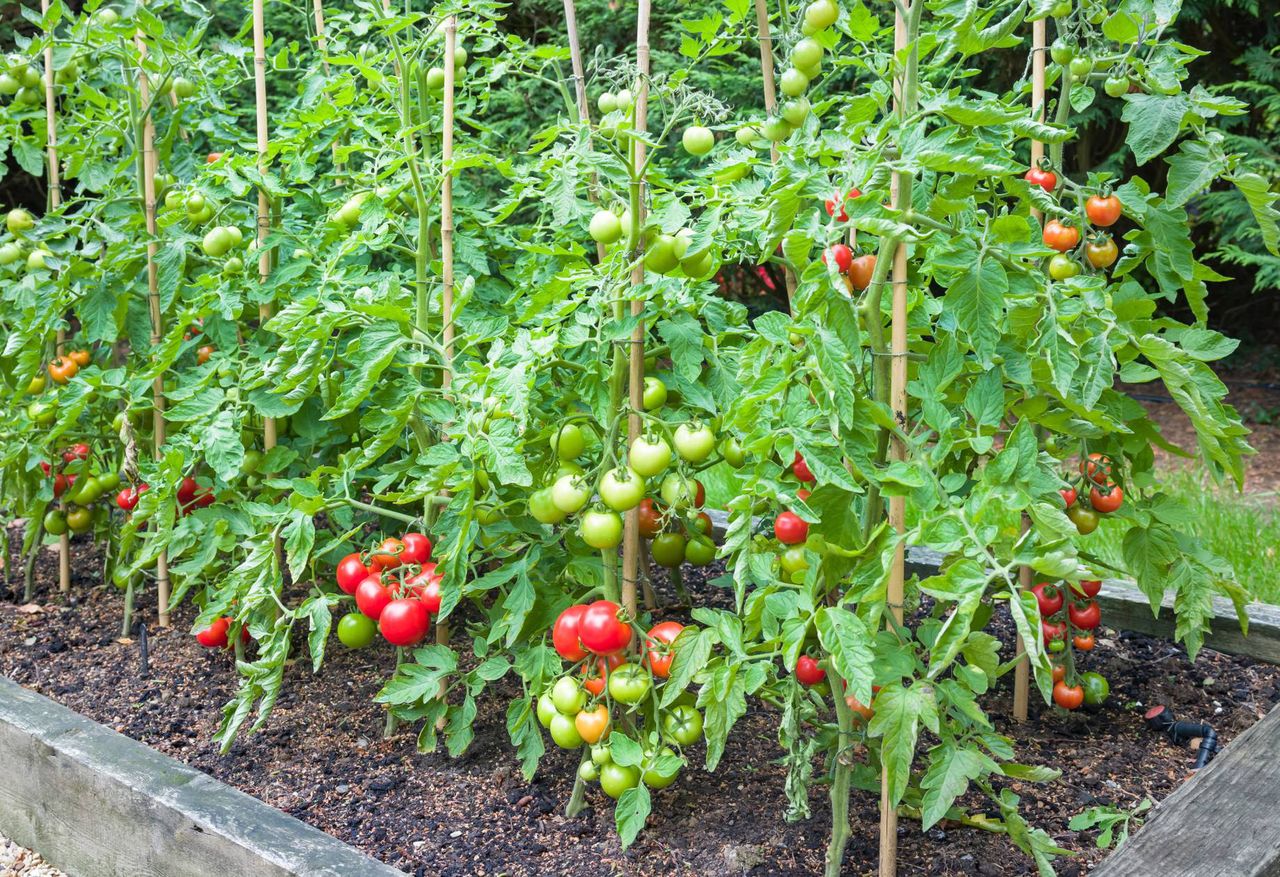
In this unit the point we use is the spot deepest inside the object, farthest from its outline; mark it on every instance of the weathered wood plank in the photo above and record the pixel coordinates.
(1223, 822)
(96, 803)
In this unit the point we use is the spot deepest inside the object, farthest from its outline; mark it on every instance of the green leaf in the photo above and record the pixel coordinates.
(630, 813)
(951, 769)
(899, 713)
(1154, 121)
(845, 637)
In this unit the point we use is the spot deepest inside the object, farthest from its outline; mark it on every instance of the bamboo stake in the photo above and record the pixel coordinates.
(264, 202)
(580, 87)
(635, 378)
(770, 98)
(55, 200)
(1022, 671)
(901, 194)
(153, 294)
(446, 232)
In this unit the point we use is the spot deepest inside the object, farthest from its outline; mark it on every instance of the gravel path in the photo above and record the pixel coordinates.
(15, 861)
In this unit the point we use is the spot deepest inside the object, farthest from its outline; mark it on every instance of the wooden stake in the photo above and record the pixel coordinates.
(55, 200)
(446, 230)
(580, 89)
(635, 377)
(901, 193)
(770, 97)
(264, 202)
(1022, 671)
(153, 293)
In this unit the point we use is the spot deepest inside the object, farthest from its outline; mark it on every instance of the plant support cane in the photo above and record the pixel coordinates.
(264, 202)
(55, 201)
(1022, 671)
(446, 237)
(148, 187)
(770, 100)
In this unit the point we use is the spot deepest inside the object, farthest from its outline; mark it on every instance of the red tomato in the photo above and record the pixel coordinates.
(1068, 496)
(841, 255)
(650, 518)
(1059, 672)
(800, 469)
(429, 593)
(1085, 616)
(1049, 597)
(372, 596)
(564, 634)
(127, 499)
(351, 572)
(417, 549)
(790, 528)
(835, 201)
(1097, 468)
(186, 492)
(803, 495)
(404, 622)
(1103, 211)
(808, 672)
(601, 631)
(78, 451)
(1053, 631)
(45, 467)
(861, 271)
(387, 555)
(1106, 502)
(1086, 588)
(1046, 180)
(1069, 697)
(60, 484)
(659, 652)
(1061, 237)
(215, 635)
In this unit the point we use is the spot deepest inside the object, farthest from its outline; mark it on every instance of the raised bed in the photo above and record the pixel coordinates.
(93, 802)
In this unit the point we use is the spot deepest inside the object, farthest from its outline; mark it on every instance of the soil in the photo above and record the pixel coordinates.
(321, 756)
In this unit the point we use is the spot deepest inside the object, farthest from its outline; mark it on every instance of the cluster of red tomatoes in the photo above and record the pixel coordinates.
(217, 634)
(856, 270)
(792, 530)
(1102, 211)
(678, 530)
(578, 709)
(77, 488)
(397, 591)
(1073, 611)
(1104, 497)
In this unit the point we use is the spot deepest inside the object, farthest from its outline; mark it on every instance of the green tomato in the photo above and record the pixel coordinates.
(569, 442)
(569, 494)
(698, 140)
(108, 481)
(606, 103)
(649, 455)
(655, 393)
(173, 199)
(793, 83)
(543, 507)
(183, 88)
(678, 491)
(568, 696)
(35, 386)
(42, 414)
(694, 443)
(10, 253)
(654, 777)
(734, 455)
(1096, 688)
(700, 265)
(1056, 645)
(349, 213)
(629, 683)
(588, 772)
(565, 732)
(29, 96)
(1116, 86)
(795, 111)
(1062, 9)
(196, 202)
(661, 257)
(252, 461)
(683, 724)
(567, 467)
(217, 241)
(601, 754)
(1081, 67)
(748, 135)
(601, 529)
(667, 549)
(35, 260)
(19, 221)
(793, 560)
(356, 630)
(1062, 52)
(1063, 266)
(31, 78)
(55, 523)
(616, 779)
(8, 85)
(605, 227)
(624, 99)
(821, 14)
(88, 491)
(806, 53)
(776, 129)
(622, 489)
(700, 550)
(546, 710)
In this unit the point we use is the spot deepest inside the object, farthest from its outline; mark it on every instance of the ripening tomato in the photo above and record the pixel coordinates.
(593, 725)
(1069, 697)
(839, 255)
(1101, 252)
(600, 629)
(351, 572)
(1060, 237)
(82, 358)
(404, 622)
(1103, 210)
(78, 451)
(658, 647)
(62, 369)
(1097, 468)
(1045, 179)
(836, 202)
(1106, 502)
(417, 548)
(1068, 496)
(595, 673)
(790, 528)
(800, 469)
(1085, 616)
(564, 634)
(1083, 642)
(203, 354)
(387, 555)
(1086, 520)
(861, 271)
(809, 672)
(1062, 267)
(650, 518)
(372, 596)
(1059, 672)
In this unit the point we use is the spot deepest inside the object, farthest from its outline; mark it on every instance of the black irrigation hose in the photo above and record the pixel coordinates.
(1161, 719)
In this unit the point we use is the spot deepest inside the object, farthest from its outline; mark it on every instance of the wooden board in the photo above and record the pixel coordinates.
(1224, 822)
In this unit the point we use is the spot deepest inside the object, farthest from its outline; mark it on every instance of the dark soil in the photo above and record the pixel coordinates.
(321, 756)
